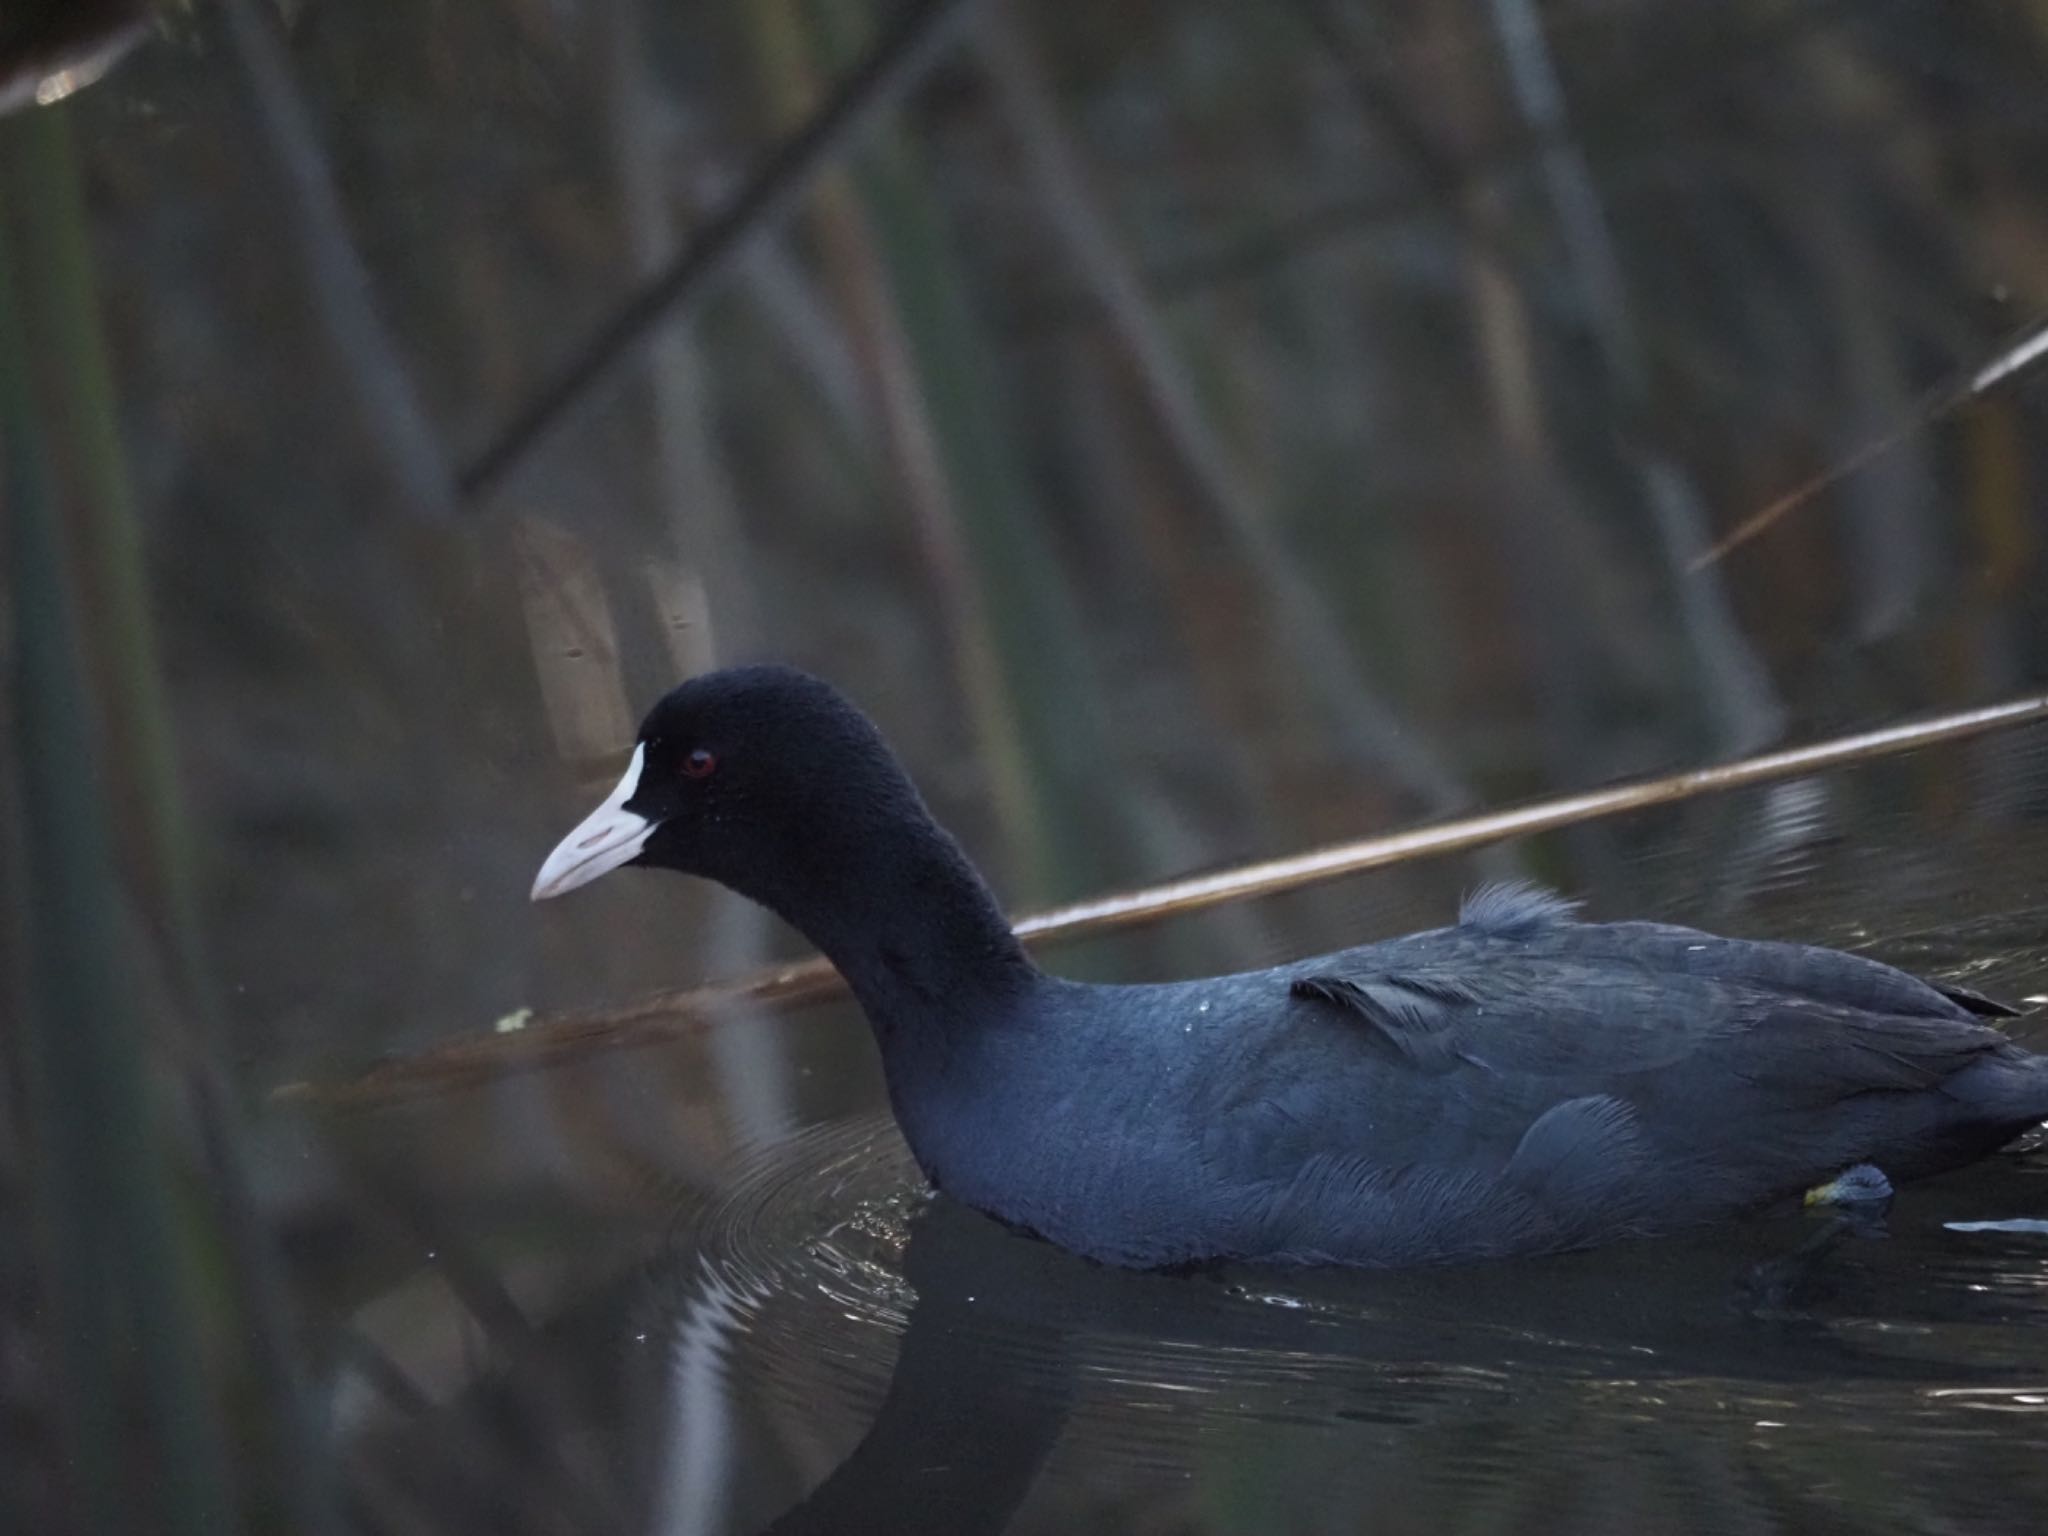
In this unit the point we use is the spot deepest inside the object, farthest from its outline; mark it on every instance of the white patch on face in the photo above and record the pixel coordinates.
(608, 837)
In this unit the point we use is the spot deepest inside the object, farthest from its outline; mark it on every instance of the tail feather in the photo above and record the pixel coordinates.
(1984, 1007)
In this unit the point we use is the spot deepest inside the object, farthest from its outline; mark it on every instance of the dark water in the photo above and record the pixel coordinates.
(625, 1325)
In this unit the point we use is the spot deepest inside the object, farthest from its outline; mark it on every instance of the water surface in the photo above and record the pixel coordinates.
(592, 1299)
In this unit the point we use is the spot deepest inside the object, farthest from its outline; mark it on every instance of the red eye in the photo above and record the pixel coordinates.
(698, 764)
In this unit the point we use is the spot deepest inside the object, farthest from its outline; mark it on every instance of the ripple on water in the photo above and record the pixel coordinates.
(802, 1252)
(805, 1249)
(807, 1243)
(1919, 1352)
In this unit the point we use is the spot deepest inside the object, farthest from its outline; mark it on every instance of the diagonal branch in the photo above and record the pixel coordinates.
(520, 1045)
(2021, 349)
(897, 61)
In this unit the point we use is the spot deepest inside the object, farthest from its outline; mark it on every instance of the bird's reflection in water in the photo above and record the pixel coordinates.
(1690, 1384)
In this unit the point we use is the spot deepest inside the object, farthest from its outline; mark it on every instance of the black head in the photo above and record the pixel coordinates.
(762, 778)
(772, 783)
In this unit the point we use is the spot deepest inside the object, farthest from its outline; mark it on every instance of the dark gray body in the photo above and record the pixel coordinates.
(1518, 1083)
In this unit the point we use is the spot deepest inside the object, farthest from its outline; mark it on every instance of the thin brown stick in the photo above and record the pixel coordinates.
(1086, 919)
(669, 1015)
(2023, 348)
(652, 1019)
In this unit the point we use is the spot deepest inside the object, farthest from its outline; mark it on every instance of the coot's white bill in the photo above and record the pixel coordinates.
(608, 837)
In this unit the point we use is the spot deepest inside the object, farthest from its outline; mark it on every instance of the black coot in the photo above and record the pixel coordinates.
(1517, 1083)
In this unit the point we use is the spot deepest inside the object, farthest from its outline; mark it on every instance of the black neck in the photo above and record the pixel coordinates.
(910, 924)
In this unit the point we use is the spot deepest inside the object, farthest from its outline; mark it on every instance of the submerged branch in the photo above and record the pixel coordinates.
(665, 1016)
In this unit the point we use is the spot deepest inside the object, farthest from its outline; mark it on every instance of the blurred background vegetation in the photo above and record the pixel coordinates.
(1194, 430)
